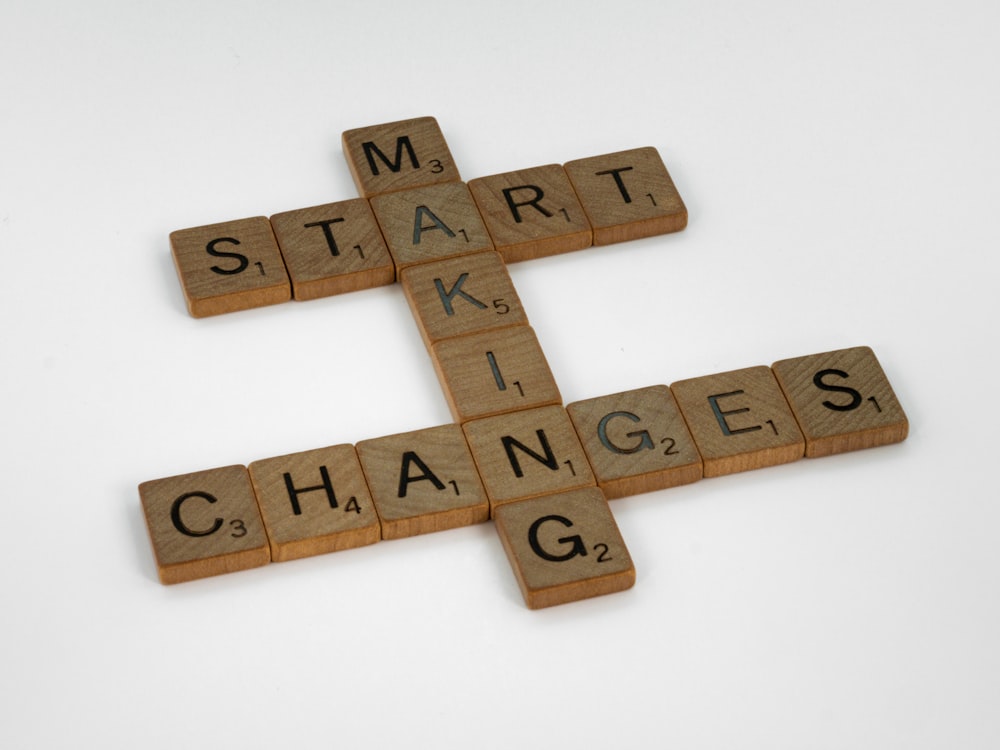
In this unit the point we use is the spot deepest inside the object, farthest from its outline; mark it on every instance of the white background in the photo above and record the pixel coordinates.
(840, 165)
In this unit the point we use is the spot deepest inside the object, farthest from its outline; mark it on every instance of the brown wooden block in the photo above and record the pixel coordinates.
(332, 249)
(627, 195)
(529, 453)
(204, 524)
(842, 401)
(740, 420)
(423, 481)
(637, 441)
(463, 295)
(564, 547)
(314, 502)
(430, 223)
(494, 372)
(531, 213)
(234, 265)
(398, 155)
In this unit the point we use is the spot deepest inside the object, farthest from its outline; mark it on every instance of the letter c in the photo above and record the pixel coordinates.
(175, 515)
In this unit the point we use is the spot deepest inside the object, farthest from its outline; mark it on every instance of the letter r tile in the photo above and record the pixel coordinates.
(627, 195)
(314, 502)
(532, 213)
(842, 401)
(740, 420)
(230, 266)
(564, 547)
(204, 524)
(398, 155)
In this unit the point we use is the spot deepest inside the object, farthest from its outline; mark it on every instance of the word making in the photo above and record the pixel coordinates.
(542, 471)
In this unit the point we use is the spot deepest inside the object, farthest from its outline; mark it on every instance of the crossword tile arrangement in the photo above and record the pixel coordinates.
(542, 471)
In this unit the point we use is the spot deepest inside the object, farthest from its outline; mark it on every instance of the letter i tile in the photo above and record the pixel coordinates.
(314, 502)
(564, 547)
(842, 401)
(204, 524)
(740, 420)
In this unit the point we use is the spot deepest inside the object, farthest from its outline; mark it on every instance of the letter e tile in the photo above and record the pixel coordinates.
(234, 265)
(739, 420)
(423, 481)
(204, 524)
(842, 400)
(314, 502)
(564, 547)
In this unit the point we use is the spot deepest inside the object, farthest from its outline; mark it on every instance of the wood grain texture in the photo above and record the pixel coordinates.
(494, 372)
(627, 195)
(203, 524)
(398, 155)
(333, 249)
(564, 547)
(842, 401)
(525, 454)
(423, 481)
(531, 213)
(314, 502)
(453, 297)
(229, 266)
(739, 420)
(636, 441)
(429, 223)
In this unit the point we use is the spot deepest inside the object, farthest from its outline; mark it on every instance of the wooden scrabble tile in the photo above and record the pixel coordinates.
(398, 155)
(529, 453)
(740, 420)
(564, 547)
(430, 223)
(842, 401)
(332, 249)
(627, 195)
(314, 502)
(234, 265)
(532, 212)
(204, 524)
(636, 441)
(494, 372)
(423, 481)
(463, 295)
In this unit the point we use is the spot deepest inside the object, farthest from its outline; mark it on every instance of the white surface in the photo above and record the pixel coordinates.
(840, 165)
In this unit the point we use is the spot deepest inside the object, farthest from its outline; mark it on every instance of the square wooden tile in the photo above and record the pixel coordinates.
(398, 155)
(627, 195)
(637, 441)
(564, 547)
(740, 420)
(529, 453)
(463, 295)
(423, 481)
(230, 266)
(314, 502)
(430, 223)
(842, 401)
(531, 213)
(204, 524)
(332, 249)
(494, 372)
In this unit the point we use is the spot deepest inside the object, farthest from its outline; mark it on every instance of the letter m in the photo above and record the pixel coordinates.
(403, 142)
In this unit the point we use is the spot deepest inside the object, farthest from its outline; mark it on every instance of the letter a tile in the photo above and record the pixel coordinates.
(314, 502)
(423, 481)
(204, 524)
(636, 441)
(234, 265)
(564, 548)
(842, 400)
(398, 155)
(532, 213)
(740, 420)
